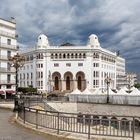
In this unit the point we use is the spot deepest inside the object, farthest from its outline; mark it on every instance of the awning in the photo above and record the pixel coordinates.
(9, 91)
(1, 92)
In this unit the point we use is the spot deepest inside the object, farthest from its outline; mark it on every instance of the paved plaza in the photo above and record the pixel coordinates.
(9, 130)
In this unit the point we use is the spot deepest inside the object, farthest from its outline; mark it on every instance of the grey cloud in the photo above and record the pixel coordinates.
(115, 22)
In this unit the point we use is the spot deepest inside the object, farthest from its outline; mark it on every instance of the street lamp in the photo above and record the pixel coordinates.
(108, 80)
(16, 61)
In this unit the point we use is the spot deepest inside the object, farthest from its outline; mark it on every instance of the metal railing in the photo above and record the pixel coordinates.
(88, 124)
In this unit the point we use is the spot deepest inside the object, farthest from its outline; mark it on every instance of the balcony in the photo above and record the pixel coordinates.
(4, 45)
(7, 34)
(7, 82)
(5, 70)
(3, 57)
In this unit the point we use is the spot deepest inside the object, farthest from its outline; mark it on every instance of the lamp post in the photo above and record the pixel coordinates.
(16, 61)
(108, 80)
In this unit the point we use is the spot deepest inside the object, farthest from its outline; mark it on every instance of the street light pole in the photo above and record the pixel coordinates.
(16, 61)
(107, 80)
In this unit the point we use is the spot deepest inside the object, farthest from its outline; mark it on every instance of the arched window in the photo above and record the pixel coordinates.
(84, 55)
(52, 56)
(60, 56)
(72, 55)
(137, 125)
(64, 55)
(56, 56)
(76, 55)
(80, 118)
(68, 55)
(80, 56)
(114, 122)
(124, 124)
(96, 120)
(105, 121)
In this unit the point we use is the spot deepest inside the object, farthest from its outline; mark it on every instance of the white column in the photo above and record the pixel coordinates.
(45, 80)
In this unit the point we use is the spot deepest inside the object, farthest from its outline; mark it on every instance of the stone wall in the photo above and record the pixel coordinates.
(100, 109)
(104, 109)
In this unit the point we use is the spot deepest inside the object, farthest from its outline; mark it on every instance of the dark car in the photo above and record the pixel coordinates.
(52, 96)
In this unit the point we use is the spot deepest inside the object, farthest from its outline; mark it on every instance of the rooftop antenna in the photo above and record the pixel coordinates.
(13, 19)
(118, 53)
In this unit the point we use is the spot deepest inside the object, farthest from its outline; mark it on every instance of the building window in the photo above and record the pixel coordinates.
(8, 53)
(84, 55)
(41, 65)
(23, 75)
(8, 78)
(76, 55)
(9, 41)
(8, 66)
(68, 64)
(41, 74)
(56, 56)
(96, 74)
(20, 76)
(80, 64)
(27, 83)
(72, 55)
(31, 57)
(27, 75)
(52, 56)
(94, 82)
(41, 83)
(31, 75)
(60, 56)
(95, 64)
(80, 56)
(8, 86)
(56, 64)
(64, 56)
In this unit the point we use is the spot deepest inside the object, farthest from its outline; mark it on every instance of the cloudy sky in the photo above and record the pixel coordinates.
(116, 22)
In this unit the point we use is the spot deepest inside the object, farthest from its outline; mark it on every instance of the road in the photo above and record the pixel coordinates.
(9, 130)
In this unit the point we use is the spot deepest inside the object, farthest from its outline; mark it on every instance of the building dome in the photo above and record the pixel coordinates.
(42, 41)
(93, 41)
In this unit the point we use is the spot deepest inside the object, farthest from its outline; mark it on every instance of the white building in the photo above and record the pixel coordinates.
(7, 49)
(131, 79)
(67, 67)
(120, 72)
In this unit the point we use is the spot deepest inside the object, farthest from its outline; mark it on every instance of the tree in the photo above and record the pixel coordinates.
(137, 85)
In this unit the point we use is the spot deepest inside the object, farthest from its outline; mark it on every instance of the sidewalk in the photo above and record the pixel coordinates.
(7, 104)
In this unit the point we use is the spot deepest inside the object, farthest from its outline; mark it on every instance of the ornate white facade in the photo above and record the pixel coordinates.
(67, 67)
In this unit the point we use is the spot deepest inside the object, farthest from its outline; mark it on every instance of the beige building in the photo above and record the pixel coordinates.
(7, 48)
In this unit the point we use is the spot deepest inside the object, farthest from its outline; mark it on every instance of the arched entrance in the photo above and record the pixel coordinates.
(67, 83)
(56, 77)
(56, 83)
(68, 78)
(81, 82)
